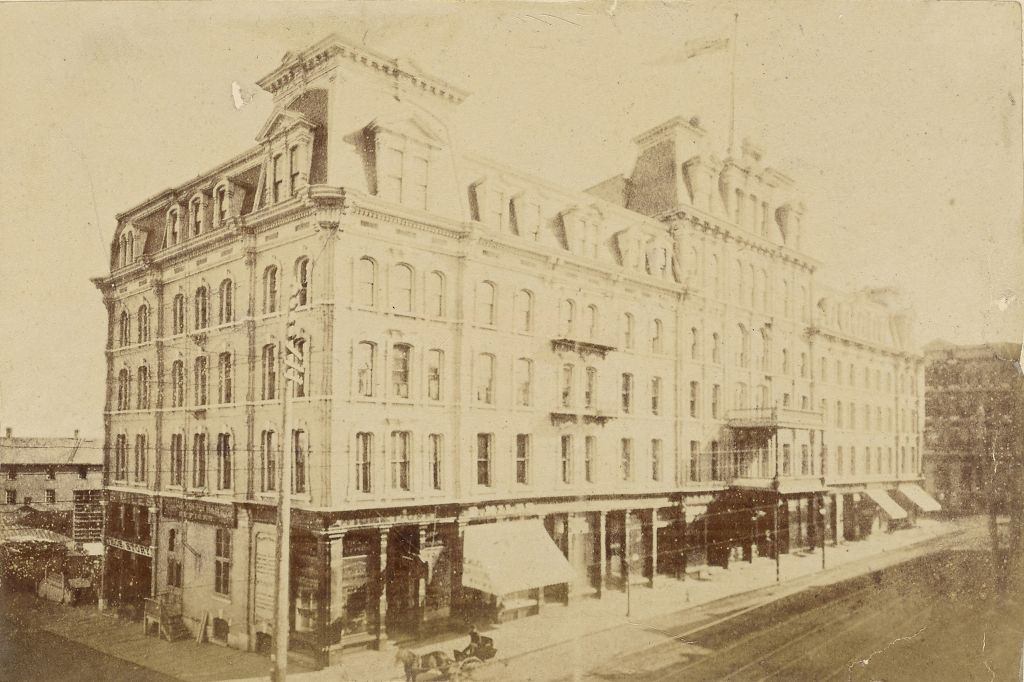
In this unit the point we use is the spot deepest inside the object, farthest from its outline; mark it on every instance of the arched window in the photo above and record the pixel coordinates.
(785, 361)
(199, 452)
(567, 316)
(628, 331)
(196, 216)
(142, 388)
(365, 361)
(590, 389)
(401, 289)
(753, 286)
(435, 294)
(786, 304)
(303, 353)
(486, 296)
(200, 381)
(567, 384)
(739, 281)
(173, 227)
(202, 303)
(177, 384)
(743, 346)
(366, 282)
(268, 461)
(303, 276)
(123, 390)
(694, 343)
(270, 290)
(716, 348)
(401, 355)
(178, 315)
(764, 289)
(485, 378)
(592, 322)
(524, 382)
(435, 366)
(224, 464)
(524, 311)
(124, 329)
(716, 276)
(226, 313)
(762, 396)
(225, 380)
(222, 205)
(143, 323)
(656, 343)
(268, 372)
(766, 350)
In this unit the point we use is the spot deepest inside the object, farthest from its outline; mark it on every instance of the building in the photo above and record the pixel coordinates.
(514, 394)
(973, 427)
(52, 483)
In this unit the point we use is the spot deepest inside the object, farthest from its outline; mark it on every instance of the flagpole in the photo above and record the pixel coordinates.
(732, 87)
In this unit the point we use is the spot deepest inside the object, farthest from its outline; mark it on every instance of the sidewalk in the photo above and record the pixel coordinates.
(560, 628)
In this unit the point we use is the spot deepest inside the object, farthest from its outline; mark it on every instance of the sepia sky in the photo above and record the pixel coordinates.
(901, 124)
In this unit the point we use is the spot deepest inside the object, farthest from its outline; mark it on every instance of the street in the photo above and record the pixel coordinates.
(936, 617)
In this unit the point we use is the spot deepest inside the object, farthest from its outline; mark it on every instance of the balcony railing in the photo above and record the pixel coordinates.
(584, 348)
(774, 417)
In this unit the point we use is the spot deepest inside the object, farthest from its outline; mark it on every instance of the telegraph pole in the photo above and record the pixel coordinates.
(293, 366)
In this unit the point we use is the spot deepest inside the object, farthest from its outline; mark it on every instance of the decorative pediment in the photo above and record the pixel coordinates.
(283, 120)
(413, 127)
(632, 243)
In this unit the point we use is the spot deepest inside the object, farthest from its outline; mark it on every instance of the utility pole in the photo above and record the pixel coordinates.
(293, 366)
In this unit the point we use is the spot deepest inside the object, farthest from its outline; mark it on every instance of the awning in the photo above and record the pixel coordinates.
(918, 496)
(509, 556)
(888, 505)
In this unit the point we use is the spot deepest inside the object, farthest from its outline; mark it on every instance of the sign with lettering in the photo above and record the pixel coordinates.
(200, 511)
(141, 550)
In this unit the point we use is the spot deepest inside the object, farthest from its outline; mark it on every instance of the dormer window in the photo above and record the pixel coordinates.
(403, 175)
(196, 216)
(222, 205)
(277, 178)
(173, 227)
(293, 167)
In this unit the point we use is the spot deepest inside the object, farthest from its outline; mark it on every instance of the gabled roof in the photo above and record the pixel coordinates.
(51, 451)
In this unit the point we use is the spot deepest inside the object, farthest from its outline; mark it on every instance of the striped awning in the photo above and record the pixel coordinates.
(888, 505)
(511, 556)
(919, 497)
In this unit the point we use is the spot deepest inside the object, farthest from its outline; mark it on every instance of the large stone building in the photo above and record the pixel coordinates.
(515, 393)
(974, 426)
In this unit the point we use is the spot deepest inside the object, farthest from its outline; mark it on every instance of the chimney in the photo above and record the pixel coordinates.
(76, 434)
(10, 432)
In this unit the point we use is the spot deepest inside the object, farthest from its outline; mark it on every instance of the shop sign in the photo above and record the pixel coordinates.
(200, 511)
(129, 546)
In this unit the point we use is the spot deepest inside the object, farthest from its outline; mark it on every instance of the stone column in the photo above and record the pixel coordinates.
(602, 552)
(382, 600)
(323, 598)
(654, 546)
(458, 539)
(154, 530)
(424, 580)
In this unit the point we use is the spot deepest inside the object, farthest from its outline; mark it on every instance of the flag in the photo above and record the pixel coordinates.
(692, 48)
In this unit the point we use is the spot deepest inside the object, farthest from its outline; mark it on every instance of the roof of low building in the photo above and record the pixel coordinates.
(51, 451)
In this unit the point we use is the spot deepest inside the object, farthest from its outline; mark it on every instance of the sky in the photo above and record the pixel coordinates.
(899, 122)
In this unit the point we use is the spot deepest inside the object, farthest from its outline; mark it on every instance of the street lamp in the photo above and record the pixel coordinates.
(626, 562)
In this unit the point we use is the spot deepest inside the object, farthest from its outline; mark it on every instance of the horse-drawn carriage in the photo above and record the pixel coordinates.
(462, 661)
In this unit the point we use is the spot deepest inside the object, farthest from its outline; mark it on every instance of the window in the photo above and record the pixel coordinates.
(803, 365)
(522, 458)
(590, 389)
(568, 372)
(201, 385)
(485, 303)
(293, 170)
(173, 227)
(787, 464)
(694, 461)
(364, 462)
(566, 459)
(143, 316)
(716, 276)
(626, 459)
(12, 474)
(224, 381)
(485, 378)
(740, 396)
(301, 353)
(656, 459)
(628, 330)
(853, 461)
(124, 329)
(694, 397)
(805, 460)
(391, 181)
(483, 458)
(524, 382)
(656, 344)
(417, 185)
(121, 457)
(197, 217)
(436, 455)
(123, 390)
(435, 363)
(716, 348)
(400, 357)
(823, 371)
(268, 461)
(222, 205)
(226, 311)
(222, 561)
(655, 395)
(839, 372)
(716, 401)
(401, 287)
(268, 372)
(276, 178)
(83, 472)
(839, 414)
(50, 496)
(400, 441)
(840, 463)
(300, 452)
(853, 416)
(178, 315)
(743, 346)
(223, 461)
(177, 383)
(694, 343)
(140, 458)
(593, 319)
(142, 388)
(270, 290)
(589, 458)
(366, 282)
(567, 317)
(202, 315)
(199, 460)
(524, 311)
(365, 361)
(435, 294)
(627, 393)
(177, 459)
(303, 276)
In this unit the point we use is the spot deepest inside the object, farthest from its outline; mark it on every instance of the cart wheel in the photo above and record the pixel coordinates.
(468, 664)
